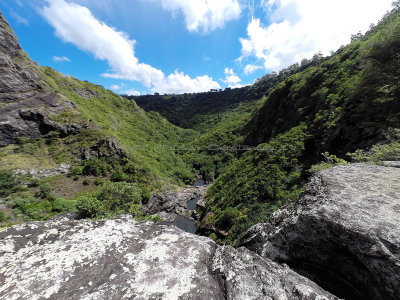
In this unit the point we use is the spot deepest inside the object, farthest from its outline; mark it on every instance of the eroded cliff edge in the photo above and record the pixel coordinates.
(343, 232)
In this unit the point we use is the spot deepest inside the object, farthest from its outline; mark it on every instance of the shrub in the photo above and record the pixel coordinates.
(118, 197)
(8, 183)
(94, 167)
(3, 216)
(35, 182)
(329, 162)
(76, 178)
(98, 182)
(117, 177)
(64, 205)
(44, 191)
(89, 207)
(77, 170)
(86, 181)
(32, 209)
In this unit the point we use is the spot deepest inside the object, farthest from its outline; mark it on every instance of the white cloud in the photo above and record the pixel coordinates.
(249, 69)
(130, 92)
(180, 83)
(117, 87)
(301, 28)
(19, 19)
(76, 24)
(231, 78)
(61, 59)
(204, 15)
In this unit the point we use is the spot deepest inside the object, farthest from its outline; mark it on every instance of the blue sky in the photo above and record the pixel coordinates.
(176, 46)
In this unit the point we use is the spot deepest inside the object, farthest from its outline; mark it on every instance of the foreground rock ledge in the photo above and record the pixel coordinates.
(124, 259)
(343, 232)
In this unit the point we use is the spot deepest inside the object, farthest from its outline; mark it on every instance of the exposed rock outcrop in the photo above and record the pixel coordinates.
(43, 173)
(27, 104)
(343, 232)
(175, 201)
(124, 259)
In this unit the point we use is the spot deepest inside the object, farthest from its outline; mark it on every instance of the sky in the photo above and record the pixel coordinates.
(138, 47)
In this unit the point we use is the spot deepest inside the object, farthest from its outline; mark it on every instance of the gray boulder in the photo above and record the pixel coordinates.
(123, 259)
(343, 232)
(248, 276)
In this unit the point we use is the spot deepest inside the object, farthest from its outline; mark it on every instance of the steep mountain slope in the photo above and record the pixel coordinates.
(51, 124)
(35, 101)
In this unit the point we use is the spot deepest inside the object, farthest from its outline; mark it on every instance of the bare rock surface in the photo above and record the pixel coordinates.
(175, 200)
(248, 276)
(343, 232)
(114, 259)
(27, 104)
(124, 259)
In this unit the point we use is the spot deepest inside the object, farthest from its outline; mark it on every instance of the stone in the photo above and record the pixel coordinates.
(343, 232)
(124, 259)
(249, 276)
(113, 259)
(175, 200)
(27, 104)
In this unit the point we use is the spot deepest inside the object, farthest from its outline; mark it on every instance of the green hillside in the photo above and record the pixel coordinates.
(337, 104)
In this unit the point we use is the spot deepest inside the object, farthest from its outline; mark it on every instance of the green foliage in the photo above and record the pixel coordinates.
(32, 209)
(98, 182)
(44, 191)
(35, 182)
(329, 162)
(76, 170)
(269, 174)
(387, 151)
(8, 183)
(64, 205)
(94, 167)
(112, 199)
(86, 181)
(3, 217)
(147, 139)
(89, 207)
(117, 177)
(119, 196)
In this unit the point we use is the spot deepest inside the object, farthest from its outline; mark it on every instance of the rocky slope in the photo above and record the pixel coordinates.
(343, 232)
(124, 259)
(27, 104)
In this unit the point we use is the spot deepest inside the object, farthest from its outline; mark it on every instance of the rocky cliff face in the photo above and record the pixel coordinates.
(27, 104)
(343, 232)
(124, 259)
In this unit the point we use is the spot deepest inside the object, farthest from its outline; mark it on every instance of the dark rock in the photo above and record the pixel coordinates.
(27, 104)
(248, 276)
(343, 232)
(124, 259)
(105, 148)
(175, 201)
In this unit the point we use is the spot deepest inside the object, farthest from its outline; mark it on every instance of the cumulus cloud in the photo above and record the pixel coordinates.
(75, 24)
(204, 15)
(61, 59)
(300, 28)
(231, 78)
(130, 92)
(116, 87)
(249, 69)
(179, 83)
